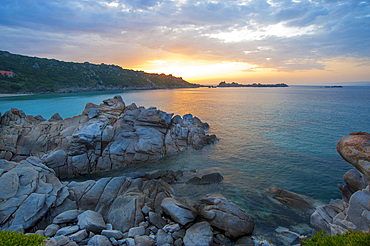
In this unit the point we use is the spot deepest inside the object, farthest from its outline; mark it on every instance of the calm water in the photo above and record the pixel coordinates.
(284, 137)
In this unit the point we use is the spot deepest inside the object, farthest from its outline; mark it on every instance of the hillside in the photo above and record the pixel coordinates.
(41, 75)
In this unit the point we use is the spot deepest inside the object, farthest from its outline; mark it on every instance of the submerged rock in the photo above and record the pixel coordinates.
(301, 204)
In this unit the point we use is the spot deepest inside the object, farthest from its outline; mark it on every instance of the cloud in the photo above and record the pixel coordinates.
(300, 35)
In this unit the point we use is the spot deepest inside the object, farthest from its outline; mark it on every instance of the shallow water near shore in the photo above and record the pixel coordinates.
(284, 137)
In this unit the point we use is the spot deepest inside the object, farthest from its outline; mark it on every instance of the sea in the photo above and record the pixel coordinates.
(268, 137)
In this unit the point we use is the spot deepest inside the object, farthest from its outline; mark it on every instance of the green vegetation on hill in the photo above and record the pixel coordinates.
(41, 75)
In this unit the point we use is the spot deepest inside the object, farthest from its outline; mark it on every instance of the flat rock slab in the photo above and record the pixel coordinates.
(67, 217)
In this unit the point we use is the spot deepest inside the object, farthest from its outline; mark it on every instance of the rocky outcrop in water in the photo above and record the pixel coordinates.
(106, 136)
(138, 210)
(353, 211)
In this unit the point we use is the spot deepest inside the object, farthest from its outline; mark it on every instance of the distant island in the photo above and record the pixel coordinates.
(233, 84)
(24, 74)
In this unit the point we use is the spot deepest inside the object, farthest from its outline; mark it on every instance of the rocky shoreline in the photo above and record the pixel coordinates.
(104, 137)
(142, 208)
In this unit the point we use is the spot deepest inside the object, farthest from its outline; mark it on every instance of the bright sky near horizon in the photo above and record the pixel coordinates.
(246, 41)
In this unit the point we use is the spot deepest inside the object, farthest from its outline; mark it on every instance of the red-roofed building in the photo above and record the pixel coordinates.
(6, 73)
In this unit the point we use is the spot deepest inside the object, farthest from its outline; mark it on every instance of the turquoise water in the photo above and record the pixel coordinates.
(284, 137)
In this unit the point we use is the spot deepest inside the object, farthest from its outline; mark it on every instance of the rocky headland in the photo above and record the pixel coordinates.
(104, 137)
(139, 209)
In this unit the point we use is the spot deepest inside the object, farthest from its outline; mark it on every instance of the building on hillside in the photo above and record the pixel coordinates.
(6, 73)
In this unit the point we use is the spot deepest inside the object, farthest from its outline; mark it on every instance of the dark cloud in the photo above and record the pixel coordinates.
(315, 30)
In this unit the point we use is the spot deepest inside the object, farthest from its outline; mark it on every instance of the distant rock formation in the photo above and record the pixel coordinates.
(353, 211)
(106, 136)
(233, 84)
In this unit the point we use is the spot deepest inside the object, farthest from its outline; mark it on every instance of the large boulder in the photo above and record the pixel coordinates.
(226, 216)
(355, 148)
(179, 211)
(199, 234)
(29, 190)
(91, 221)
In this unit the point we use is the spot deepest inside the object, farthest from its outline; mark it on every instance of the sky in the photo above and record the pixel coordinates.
(245, 41)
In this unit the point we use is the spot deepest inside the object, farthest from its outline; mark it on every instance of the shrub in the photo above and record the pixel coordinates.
(15, 238)
(350, 238)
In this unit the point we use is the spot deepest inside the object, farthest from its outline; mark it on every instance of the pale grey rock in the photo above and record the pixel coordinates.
(59, 241)
(287, 237)
(112, 233)
(99, 240)
(31, 189)
(113, 241)
(67, 216)
(67, 230)
(146, 209)
(178, 234)
(144, 240)
(140, 230)
(156, 220)
(55, 117)
(179, 211)
(103, 137)
(51, 230)
(171, 228)
(355, 180)
(226, 216)
(90, 199)
(128, 241)
(163, 238)
(324, 215)
(358, 204)
(78, 236)
(55, 159)
(91, 221)
(125, 211)
(199, 234)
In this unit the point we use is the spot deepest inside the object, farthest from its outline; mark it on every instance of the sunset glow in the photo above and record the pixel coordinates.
(297, 42)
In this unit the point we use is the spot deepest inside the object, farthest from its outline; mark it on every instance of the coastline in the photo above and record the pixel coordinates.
(15, 95)
(79, 90)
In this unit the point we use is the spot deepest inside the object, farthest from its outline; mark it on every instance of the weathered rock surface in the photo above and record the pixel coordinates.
(226, 216)
(29, 190)
(353, 211)
(355, 148)
(103, 137)
(199, 234)
(109, 211)
(179, 211)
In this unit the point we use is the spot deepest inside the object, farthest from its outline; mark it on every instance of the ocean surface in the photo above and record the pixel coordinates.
(283, 137)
